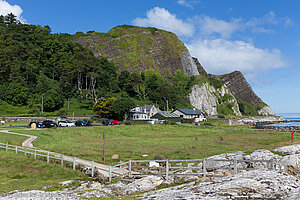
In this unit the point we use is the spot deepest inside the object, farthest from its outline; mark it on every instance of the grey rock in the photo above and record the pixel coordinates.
(290, 164)
(288, 150)
(262, 154)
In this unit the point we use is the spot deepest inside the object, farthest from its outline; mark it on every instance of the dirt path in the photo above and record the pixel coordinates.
(27, 142)
(103, 169)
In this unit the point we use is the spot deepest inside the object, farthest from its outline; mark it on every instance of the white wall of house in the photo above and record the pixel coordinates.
(140, 116)
(182, 115)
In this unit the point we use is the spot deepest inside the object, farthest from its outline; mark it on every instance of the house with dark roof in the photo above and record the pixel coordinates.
(167, 116)
(190, 114)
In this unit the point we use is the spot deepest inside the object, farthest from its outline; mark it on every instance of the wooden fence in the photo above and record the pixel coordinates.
(168, 168)
(47, 155)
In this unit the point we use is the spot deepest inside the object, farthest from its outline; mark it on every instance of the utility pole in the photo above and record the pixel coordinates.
(104, 146)
(68, 103)
(42, 103)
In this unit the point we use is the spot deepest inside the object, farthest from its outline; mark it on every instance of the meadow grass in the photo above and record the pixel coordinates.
(20, 173)
(12, 139)
(173, 142)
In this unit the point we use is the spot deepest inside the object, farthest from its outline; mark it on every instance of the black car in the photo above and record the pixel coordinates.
(49, 124)
(38, 124)
(107, 122)
(83, 123)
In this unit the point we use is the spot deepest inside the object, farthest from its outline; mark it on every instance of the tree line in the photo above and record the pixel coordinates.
(38, 67)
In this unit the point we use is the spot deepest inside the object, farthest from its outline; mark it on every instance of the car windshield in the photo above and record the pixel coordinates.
(68, 121)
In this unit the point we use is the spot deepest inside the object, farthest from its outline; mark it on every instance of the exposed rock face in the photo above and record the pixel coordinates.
(137, 49)
(201, 70)
(266, 110)
(240, 87)
(205, 98)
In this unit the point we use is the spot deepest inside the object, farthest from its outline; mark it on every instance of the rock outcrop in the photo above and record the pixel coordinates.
(240, 87)
(138, 49)
(206, 98)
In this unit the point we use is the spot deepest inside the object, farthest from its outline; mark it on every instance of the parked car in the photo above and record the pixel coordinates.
(83, 123)
(107, 122)
(38, 124)
(116, 122)
(66, 123)
(49, 124)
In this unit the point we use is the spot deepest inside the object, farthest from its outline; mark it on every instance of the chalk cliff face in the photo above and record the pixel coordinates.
(207, 99)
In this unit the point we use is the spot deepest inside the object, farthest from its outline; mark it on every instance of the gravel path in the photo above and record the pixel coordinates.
(103, 169)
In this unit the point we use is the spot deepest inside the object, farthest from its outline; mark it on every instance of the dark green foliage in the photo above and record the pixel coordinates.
(120, 108)
(188, 121)
(102, 107)
(215, 81)
(248, 109)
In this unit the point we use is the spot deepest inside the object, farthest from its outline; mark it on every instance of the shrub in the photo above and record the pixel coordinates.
(188, 121)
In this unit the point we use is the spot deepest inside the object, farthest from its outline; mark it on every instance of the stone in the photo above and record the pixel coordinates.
(115, 156)
(288, 150)
(153, 164)
(262, 154)
(142, 185)
(290, 164)
(159, 157)
(214, 165)
(66, 182)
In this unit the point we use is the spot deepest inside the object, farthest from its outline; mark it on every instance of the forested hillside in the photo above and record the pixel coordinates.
(39, 68)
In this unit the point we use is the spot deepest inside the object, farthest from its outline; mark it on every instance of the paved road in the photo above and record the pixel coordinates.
(103, 169)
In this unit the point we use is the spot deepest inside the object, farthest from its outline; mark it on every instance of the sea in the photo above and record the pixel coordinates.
(295, 117)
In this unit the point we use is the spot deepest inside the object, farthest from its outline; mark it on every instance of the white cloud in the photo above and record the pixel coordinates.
(163, 19)
(221, 56)
(185, 3)
(6, 8)
(211, 26)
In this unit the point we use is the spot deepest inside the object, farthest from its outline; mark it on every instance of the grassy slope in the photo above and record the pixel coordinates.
(12, 139)
(174, 142)
(20, 173)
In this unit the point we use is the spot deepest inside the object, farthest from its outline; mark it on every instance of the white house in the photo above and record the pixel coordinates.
(139, 113)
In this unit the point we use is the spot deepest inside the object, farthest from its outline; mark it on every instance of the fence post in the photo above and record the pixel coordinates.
(48, 157)
(25, 151)
(92, 168)
(235, 166)
(34, 153)
(6, 146)
(109, 174)
(272, 164)
(16, 149)
(167, 169)
(61, 160)
(74, 163)
(204, 167)
(129, 167)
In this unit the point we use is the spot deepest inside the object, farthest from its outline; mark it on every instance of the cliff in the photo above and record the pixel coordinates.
(138, 49)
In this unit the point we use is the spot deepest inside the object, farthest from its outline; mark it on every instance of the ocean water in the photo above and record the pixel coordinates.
(290, 116)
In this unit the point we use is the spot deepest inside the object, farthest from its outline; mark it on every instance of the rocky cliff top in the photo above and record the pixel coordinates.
(240, 87)
(137, 49)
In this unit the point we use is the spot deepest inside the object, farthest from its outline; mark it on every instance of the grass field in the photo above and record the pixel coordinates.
(173, 142)
(12, 139)
(20, 173)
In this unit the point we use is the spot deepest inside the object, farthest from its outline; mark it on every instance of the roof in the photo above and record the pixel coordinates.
(167, 115)
(148, 107)
(190, 111)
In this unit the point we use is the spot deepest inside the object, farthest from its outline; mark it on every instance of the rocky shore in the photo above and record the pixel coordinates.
(258, 183)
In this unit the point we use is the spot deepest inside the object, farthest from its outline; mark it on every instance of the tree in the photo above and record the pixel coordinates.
(10, 19)
(102, 107)
(121, 107)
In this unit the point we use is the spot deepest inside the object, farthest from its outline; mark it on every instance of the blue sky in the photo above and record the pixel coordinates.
(258, 37)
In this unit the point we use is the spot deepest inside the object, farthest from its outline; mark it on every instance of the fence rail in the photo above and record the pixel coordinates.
(50, 155)
(166, 168)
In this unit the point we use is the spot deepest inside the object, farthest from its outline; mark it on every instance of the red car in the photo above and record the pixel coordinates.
(116, 122)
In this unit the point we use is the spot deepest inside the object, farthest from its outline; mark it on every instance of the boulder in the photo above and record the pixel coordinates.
(214, 165)
(142, 185)
(288, 150)
(290, 164)
(262, 154)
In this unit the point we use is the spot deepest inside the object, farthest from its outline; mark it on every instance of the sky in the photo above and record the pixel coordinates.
(260, 38)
